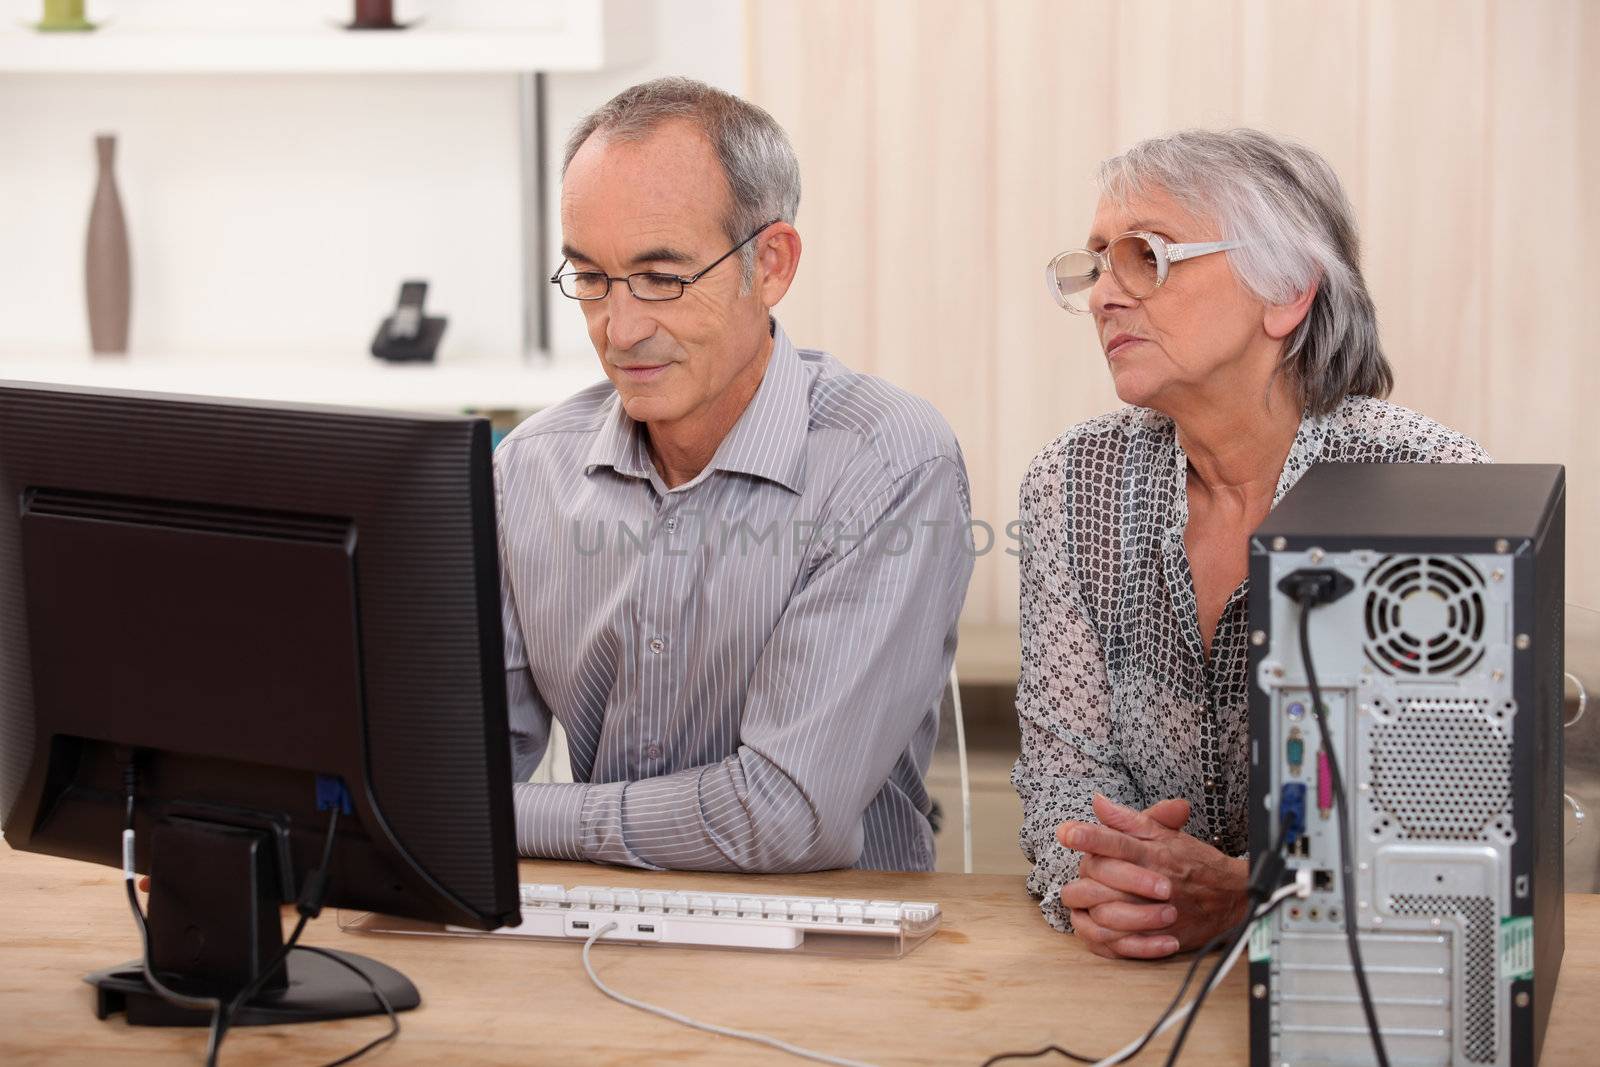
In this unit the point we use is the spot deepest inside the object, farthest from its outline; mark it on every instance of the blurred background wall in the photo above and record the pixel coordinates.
(273, 211)
(947, 146)
(281, 177)
(948, 149)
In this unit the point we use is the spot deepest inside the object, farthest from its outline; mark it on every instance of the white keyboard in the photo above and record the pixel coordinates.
(715, 919)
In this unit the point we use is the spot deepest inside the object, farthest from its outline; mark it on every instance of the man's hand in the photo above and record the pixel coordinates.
(1144, 888)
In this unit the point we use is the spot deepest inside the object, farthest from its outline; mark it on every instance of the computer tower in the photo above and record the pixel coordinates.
(1440, 665)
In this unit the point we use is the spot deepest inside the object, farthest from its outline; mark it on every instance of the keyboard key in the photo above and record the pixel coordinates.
(753, 920)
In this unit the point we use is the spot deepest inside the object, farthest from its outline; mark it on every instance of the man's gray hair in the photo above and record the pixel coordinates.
(1285, 204)
(756, 156)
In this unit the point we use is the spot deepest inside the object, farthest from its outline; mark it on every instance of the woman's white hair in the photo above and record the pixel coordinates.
(756, 156)
(1285, 205)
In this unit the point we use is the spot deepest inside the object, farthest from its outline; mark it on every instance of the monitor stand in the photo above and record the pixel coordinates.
(215, 922)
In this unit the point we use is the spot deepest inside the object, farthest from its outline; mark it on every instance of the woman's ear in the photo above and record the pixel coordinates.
(1280, 320)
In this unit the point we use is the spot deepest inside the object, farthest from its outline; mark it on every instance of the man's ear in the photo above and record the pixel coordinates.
(1280, 320)
(777, 259)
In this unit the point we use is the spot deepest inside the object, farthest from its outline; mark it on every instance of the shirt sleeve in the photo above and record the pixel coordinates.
(857, 659)
(1063, 700)
(527, 714)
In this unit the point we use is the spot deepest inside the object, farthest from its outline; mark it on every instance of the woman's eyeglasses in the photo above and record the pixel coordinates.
(1138, 260)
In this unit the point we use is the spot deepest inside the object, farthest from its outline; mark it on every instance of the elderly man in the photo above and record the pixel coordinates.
(733, 571)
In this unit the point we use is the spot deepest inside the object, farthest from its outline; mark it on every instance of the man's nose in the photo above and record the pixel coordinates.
(629, 320)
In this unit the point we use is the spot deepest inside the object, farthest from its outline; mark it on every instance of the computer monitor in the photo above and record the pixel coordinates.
(252, 613)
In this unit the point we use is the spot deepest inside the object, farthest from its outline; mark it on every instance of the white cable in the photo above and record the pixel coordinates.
(966, 788)
(1227, 965)
(710, 1028)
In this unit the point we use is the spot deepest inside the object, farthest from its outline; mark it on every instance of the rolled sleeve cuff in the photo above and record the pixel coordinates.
(550, 820)
(574, 821)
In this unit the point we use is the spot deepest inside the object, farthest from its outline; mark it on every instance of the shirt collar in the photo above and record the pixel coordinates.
(768, 441)
(618, 444)
(1306, 450)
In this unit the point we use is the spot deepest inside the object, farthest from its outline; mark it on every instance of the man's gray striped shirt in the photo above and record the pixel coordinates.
(748, 666)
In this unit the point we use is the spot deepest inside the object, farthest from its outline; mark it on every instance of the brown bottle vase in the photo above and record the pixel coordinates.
(105, 262)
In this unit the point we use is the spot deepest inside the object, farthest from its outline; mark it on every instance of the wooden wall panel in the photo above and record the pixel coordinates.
(1427, 202)
(958, 141)
(833, 127)
(1176, 65)
(1539, 241)
(1050, 131)
(1302, 74)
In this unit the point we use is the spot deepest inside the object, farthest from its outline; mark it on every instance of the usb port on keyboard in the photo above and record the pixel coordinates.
(844, 926)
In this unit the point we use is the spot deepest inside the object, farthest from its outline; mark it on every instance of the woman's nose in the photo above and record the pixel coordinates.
(1105, 294)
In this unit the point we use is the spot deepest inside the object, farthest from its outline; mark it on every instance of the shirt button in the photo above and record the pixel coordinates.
(657, 645)
(652, 750)
(1217, 840)
(672, 524)
(1211, 783)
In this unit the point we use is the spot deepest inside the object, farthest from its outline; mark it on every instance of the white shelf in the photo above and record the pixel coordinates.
(443, 387)
(589, 36)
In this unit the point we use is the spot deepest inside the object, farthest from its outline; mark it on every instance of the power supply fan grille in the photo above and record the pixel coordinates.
(1442, 769)
(1424, 616)
(1476, 916)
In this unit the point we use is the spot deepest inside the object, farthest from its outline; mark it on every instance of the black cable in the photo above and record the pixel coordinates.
(130, 778)
(394, 1020)
(309, 906)
(1057, 1049)
(1149, 1035)
(1264, 877)
(224, 1018)
(1346, 872)
(1238, 932)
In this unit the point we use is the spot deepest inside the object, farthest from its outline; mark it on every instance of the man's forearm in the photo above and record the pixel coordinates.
(743, 814)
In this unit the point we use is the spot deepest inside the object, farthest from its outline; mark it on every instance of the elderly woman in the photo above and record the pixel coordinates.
(1223, 279)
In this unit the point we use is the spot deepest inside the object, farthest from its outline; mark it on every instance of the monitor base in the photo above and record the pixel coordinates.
(318, 989)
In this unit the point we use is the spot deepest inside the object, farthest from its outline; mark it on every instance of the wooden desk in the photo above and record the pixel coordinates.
(994, 978)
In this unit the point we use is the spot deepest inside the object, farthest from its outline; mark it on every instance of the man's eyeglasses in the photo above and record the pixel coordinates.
(1138, 260)
(645, 285)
